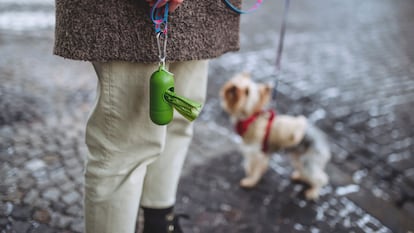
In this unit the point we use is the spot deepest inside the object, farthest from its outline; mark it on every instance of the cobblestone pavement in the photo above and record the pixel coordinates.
(348, 65)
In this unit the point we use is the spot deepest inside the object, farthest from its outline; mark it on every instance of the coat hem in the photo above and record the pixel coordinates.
(108, 59)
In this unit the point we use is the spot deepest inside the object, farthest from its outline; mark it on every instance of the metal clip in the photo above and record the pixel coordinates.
(162, 47)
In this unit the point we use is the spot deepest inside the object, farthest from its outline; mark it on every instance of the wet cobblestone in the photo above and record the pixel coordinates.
(353, 77)
(363, 90)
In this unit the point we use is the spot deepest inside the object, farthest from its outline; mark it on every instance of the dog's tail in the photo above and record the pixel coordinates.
(317, 115)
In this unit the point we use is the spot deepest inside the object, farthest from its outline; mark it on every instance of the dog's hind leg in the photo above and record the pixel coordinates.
(316, 179)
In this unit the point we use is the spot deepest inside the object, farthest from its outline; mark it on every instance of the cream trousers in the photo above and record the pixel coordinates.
(132, 161)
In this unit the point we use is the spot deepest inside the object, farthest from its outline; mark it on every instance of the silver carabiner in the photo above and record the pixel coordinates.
(162, 47)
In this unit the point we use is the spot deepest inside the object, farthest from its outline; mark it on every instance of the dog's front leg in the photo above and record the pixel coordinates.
(256, 164)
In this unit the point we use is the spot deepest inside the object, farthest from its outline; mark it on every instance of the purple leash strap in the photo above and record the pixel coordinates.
(280, 48)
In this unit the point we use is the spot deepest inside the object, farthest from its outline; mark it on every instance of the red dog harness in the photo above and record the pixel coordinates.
(243, 125)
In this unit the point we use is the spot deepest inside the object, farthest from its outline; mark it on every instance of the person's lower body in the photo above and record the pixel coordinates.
(132, 161)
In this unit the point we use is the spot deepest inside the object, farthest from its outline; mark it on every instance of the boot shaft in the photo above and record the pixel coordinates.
(160, 221)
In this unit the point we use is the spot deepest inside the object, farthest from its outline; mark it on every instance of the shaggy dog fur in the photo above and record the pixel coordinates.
(308, 146)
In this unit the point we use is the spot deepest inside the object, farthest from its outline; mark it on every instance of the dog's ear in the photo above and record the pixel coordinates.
(264, 97)
(266, 90)
(270, 85)
(269, 88)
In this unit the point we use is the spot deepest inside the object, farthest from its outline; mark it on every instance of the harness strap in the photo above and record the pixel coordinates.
(265, 145)
(243, 126)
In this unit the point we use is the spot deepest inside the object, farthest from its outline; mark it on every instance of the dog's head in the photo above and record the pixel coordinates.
(241, 97)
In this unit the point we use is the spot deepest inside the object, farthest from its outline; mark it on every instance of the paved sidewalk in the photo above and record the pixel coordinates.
(349, 66)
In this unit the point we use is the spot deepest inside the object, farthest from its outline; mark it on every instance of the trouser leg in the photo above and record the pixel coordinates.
(121, 141)
(161, 181)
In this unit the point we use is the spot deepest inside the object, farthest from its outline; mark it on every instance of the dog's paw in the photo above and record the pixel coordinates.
(247, 182)
(312, 194)
(295, 176)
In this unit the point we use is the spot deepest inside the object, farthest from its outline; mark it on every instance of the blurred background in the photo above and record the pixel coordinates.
(347, 65)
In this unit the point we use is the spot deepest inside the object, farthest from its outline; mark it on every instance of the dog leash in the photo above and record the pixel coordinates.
(280, 49)
(239, 11)
(159, 16)
(281, 38)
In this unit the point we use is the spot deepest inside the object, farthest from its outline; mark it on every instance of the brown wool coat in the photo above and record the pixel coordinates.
(105, 30)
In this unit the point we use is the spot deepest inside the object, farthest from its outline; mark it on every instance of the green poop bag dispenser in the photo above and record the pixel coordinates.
(163, 99)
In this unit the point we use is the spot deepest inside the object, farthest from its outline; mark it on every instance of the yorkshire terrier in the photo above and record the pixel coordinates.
(264, 132)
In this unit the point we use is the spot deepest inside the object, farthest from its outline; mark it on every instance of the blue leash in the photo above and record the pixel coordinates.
(159, 16)
(239, 11)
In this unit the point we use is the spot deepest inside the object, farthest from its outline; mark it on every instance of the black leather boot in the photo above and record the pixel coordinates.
(161, 221)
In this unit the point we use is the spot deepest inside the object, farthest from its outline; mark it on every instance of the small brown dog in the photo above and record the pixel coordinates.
(263, 132)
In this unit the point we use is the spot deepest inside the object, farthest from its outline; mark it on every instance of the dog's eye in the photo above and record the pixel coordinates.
(247, 91)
